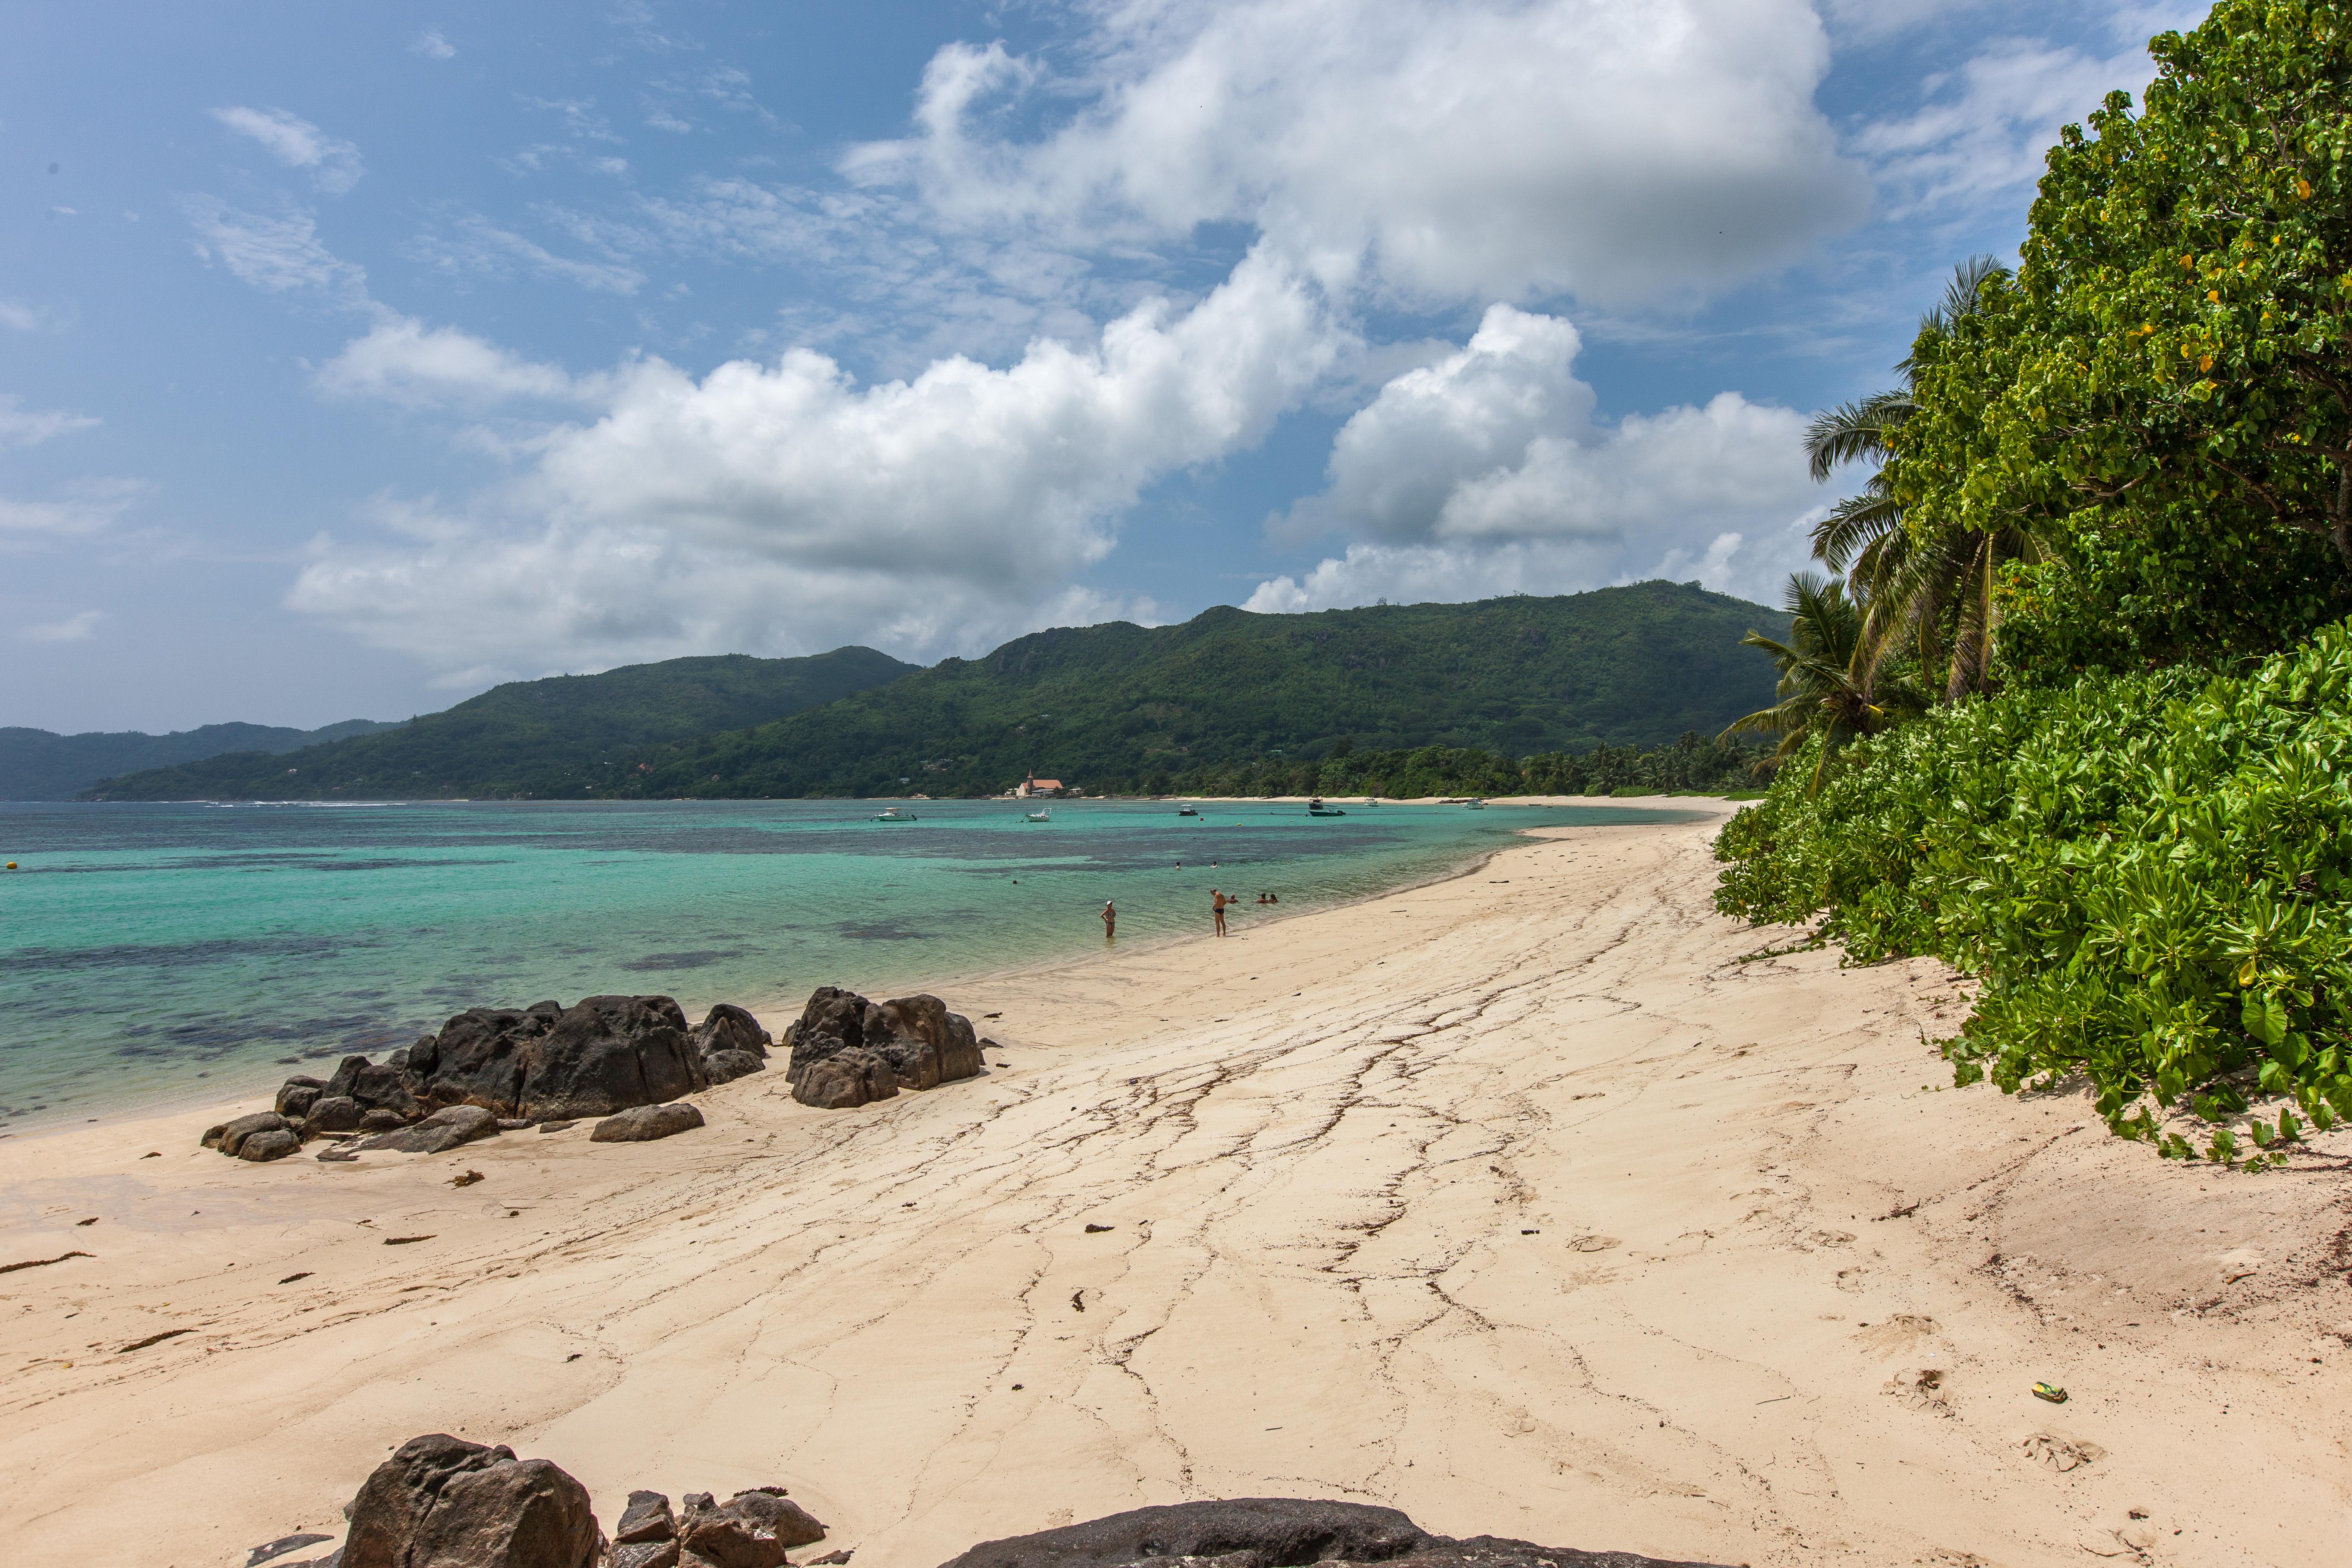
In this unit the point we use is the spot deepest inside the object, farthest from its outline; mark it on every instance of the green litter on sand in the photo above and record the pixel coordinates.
(2051, 1392)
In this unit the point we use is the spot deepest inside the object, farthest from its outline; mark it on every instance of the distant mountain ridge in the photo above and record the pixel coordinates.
(563, 737)
(1125, 707)
(40, 764)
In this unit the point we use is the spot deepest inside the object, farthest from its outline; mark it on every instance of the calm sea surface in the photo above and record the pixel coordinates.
(146, 948)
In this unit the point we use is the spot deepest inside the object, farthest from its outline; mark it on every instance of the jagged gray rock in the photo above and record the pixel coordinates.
(1277, 1533)
(845, 1080)
(647, 1518)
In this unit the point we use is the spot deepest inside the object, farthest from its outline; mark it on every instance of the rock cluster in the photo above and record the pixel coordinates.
(494, 1068)
(1277, 1533)
(847, 1051)
(441, 1500)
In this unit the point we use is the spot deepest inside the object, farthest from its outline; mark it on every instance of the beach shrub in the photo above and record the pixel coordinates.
(2150, 876)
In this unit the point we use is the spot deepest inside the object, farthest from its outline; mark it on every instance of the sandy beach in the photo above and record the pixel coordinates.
(1532, 1202)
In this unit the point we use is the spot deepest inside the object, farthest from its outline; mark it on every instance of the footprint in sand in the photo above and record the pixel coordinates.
(2058, 1451)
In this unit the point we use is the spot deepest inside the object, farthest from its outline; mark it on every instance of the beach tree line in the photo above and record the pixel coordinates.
(1692, 764)
(2068, 703)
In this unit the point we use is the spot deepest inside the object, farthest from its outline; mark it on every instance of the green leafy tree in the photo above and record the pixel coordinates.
(1831, 686)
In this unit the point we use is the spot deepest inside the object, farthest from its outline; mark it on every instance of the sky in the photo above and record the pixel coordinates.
(356, 358)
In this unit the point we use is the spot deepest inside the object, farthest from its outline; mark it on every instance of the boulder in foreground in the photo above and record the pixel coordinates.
(1278, 1532)
(440, 1501)
(644, 1123)
(847, 1051)
(438, 1133)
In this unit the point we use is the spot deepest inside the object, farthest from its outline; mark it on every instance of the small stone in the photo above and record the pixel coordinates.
(557, 1126)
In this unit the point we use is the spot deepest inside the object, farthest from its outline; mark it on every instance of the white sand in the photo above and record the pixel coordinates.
(1513, 1201)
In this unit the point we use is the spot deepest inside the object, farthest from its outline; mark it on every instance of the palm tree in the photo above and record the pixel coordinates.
(1830, 683)
(1917, 591)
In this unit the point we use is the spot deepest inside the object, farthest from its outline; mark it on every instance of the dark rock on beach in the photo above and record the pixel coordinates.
(730, 1043)
(750, 1529)
(229, 1136)
(847, 1051)
(269, 1144)
(442, 1500)
(297, 1095)
(644, 1123)
(548, 1063)
(332, 1113)
(647, 1518)
(444, 1130)
(643, 1554)
(845, 1080)
(1277, 1533)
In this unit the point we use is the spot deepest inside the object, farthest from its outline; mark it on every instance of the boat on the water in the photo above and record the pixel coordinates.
(892, 814)
(1317, 808)
(1044, 816)
(1187, 810)
(1473, 805)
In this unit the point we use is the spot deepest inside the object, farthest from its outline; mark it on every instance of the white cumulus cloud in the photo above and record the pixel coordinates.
(433, 45)
(401, 360)
(781, 506)
(84, 507)
(1623, 150)
(1486, 472)
(333, 163)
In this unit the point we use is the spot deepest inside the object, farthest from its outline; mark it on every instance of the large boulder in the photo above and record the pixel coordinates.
(924, 1043)
(846, 1081)
(644, 1123)
(730, 1043)
(915, 1040)
(443, 1502)
(444, 1130)
(1277, 1533)
(544, 1063)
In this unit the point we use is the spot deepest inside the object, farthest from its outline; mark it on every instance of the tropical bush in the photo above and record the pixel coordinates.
(2152, 877)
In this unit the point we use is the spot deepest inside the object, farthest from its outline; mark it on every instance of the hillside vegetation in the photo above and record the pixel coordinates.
(1230, 701)
(38, 764)
(569, 735)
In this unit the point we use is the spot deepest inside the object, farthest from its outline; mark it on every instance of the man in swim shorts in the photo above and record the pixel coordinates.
(1217, 903)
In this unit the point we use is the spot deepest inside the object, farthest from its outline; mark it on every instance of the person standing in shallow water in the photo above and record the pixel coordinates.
(1217, 903)
(1110, 921)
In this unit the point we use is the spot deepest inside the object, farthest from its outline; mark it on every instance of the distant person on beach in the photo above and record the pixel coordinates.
(1217, 903)
(1110, 920)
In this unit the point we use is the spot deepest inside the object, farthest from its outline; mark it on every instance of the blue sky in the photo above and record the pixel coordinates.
(356, 358)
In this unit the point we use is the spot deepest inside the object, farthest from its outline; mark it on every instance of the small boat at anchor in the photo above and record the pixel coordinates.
(1044, 816)
(1187, 810)
(1317, 808)
(892, 814)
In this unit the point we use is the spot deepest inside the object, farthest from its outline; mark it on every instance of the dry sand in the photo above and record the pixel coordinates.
(1516, 1201)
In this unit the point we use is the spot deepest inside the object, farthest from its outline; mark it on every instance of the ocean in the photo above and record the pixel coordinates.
(151, 954)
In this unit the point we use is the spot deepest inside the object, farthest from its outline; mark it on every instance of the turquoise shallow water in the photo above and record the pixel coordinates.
(151, 952)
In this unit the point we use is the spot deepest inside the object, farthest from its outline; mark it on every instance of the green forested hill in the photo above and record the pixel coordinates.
(38, 764)
(569, 735)
(1124, 707)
